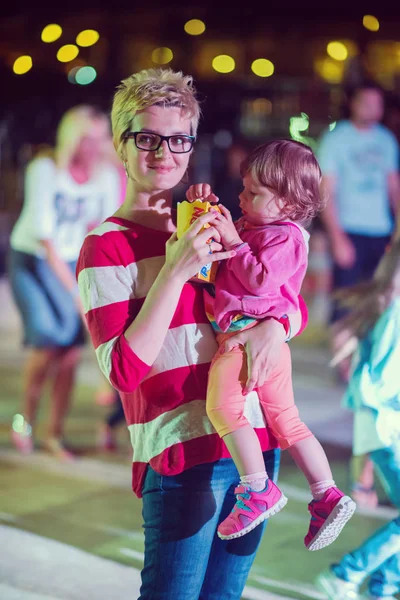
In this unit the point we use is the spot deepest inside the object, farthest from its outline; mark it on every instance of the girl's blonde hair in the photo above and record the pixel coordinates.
(368, 301)
(162, 87)
(75, 124)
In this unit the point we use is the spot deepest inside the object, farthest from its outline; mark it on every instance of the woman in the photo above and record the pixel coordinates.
(65, 195)
(154, 343)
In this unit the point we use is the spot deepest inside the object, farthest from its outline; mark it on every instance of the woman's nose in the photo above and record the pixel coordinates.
(163, 149)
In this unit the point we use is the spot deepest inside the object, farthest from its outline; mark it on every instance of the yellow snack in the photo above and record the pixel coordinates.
(188, 212)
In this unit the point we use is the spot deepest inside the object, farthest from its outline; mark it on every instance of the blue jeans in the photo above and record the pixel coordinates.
(184, 558)
(379, 556)
(49, 314)
(369, 251)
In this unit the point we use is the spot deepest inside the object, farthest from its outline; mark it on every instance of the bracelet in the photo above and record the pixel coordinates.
(288, 328)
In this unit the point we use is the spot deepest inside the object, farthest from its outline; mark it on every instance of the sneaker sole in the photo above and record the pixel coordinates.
(334, 524)
(265, 515)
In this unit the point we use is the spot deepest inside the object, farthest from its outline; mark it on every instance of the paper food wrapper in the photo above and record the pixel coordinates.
(188, 212)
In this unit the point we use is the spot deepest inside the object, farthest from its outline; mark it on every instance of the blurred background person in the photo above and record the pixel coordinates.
(373, 394)
(66, 193)
(359, 160)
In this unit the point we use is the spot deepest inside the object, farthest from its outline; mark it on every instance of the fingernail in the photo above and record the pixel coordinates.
(233, 253)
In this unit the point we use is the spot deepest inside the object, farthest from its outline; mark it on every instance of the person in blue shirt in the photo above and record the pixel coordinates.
(359, 162)
(373, 394)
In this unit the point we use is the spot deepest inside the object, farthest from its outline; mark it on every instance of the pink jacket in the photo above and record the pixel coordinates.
(265, 276)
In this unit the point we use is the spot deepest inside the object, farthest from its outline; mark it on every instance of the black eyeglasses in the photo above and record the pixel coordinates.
(178, 144)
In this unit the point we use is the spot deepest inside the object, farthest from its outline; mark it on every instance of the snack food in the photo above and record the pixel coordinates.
(188, 212)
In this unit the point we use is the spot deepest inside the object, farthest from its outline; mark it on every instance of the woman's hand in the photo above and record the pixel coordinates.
(226, 228)
(263, 345)
(201, 191)
(186, 256)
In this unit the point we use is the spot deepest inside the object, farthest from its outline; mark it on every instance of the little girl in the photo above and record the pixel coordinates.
(281, 192)
(373, 394)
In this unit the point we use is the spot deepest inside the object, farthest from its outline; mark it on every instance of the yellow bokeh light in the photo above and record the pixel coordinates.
(370, 22)
(262, 67)
(51, 33)
(195, 27)
(337, 50)
(223, 63)
(67, 53)
(162, 56)
(88, 37)
(22, 65)
(330, 70)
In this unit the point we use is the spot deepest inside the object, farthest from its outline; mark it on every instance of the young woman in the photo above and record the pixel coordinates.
(65, 195)
(154, 343)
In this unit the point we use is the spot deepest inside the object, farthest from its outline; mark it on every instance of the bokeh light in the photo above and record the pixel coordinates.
(223, 63)
(262, 67)
(51, 33)
(88, 37)
(67, 53)
(370, 22)
(22, 65)
(330, 70)
(337, 50)
(162, 56)
(85, 75)
(195, 27)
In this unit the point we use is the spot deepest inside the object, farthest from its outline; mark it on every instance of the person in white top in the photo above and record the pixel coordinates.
(66, 195)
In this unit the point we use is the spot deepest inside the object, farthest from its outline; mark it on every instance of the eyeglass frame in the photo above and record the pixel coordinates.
(132, 134)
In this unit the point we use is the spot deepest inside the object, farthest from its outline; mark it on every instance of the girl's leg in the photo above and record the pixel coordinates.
(230, 562)
(181, 514)
(64, 380)
(330, 509)
(257, 497)
(282, 415)
(310, 457)
(225, 409)
(36, 371)
(362, 481)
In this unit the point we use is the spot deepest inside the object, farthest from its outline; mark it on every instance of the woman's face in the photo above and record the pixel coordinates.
(159, 170)
(93, 142)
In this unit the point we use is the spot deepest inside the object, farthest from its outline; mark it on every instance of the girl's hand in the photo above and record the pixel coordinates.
(201, 191)
(186, 256)
(226, 228)
(263, 344)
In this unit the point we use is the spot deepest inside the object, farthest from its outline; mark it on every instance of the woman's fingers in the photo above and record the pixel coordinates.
(196, 226)
(200, 191)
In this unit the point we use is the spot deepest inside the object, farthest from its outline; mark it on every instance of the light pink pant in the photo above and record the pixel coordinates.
(225, 401)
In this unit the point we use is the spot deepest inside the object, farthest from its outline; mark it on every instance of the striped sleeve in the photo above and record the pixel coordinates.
(106, 288)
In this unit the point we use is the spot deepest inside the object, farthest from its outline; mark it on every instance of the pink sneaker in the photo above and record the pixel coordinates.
(251, 509)
(328, 517)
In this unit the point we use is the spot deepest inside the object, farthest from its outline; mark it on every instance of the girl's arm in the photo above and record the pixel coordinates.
(126, 348)
(265, 270)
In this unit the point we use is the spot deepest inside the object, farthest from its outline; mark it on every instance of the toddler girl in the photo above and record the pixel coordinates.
(281, 193)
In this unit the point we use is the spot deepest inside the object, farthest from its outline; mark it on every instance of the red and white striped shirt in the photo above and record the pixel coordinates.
(164, 404)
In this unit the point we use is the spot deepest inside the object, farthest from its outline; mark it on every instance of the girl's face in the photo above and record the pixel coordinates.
(157, 171)
(259, 204)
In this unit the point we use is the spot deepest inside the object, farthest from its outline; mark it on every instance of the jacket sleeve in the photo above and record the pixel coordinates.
(267, 269)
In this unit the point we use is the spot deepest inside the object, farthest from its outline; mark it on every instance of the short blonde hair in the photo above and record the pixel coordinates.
(150, 87)
(75, 124)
